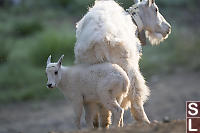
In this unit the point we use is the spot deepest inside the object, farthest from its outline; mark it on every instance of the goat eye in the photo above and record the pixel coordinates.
(156, 9)
(56, 72)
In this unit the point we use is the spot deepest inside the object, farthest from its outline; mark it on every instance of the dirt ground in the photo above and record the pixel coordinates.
(168, 96)
(171, 127)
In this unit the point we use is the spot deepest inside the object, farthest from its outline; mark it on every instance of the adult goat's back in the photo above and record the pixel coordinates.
(108, 34)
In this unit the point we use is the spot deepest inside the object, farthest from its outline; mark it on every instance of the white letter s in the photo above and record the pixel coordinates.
(193, 108)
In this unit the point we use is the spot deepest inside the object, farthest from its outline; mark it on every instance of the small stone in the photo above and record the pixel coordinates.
(166, 119)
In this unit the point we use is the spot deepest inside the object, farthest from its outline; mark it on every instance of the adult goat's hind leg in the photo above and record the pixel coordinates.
(137, 98)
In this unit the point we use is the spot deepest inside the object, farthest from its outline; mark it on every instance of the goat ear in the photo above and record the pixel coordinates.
(60, 61)
(149, 2)
(49, 59)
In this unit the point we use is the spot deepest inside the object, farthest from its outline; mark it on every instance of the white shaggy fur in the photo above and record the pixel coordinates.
(107, 34)
(90, 85)
(155, 38)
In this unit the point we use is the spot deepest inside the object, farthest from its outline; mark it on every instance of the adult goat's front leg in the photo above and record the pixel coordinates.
(138, 112)
(139, 94)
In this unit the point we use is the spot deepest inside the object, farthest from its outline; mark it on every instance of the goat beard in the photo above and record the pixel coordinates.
(155, 38)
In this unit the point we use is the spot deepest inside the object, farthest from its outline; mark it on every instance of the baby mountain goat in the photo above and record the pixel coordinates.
(103, 84)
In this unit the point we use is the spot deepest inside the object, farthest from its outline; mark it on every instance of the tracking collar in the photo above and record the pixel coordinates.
(133, 11)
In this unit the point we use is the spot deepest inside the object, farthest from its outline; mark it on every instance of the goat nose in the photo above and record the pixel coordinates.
(49, 85)
(169, 30)
(169, 27)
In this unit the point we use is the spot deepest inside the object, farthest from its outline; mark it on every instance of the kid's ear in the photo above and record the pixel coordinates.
(60, 61)
(49, 59)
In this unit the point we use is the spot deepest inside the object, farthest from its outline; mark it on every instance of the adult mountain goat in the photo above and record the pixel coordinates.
(108, 34)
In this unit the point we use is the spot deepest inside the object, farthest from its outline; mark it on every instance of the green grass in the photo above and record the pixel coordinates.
(26, 42)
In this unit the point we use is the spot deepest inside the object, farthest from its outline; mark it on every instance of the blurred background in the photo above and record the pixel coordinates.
(31, 30)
